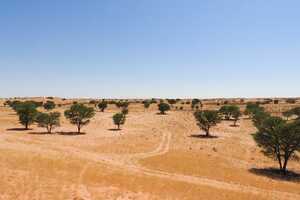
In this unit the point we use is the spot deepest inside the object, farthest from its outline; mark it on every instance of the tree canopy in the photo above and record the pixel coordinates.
(79, 115)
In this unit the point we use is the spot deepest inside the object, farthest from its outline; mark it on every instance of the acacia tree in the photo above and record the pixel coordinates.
(171, 101)
(102, 105)
(49, 105)
(79, 115)
(231, 112)
(27, 113)
(236, 116)
(226, 112)
(122, 104)
(119, 119)
(146, 104)
(163, 107)
(207, 119)
(252, 109)
(195, 102)
(48, 120)
(125, 110)
(296, 112)
(288, 114)
(278, 139)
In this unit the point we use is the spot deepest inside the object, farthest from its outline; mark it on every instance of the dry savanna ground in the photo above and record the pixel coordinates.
(152, 157)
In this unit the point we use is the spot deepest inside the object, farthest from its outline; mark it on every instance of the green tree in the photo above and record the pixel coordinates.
(122, 104)
(226, 111)
(36, 103)
(49, 105)
(102, 105)
(195, 102)
(48, 120)
(231, 112)
(125, 110)
(163, 107)
(288, 114)
(146, 104)
(14, 104)
(27, 113)
(171, 101)
(252, 109)
(236, 114)
(278, 139)
(119, 119)
(79, 115)
(296, 112)
(207, 119)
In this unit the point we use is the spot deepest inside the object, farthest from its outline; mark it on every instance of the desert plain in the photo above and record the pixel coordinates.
(152, 157)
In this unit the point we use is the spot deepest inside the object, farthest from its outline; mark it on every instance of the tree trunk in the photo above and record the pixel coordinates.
(78, 129)
(284, 170)
(279, 161)
(50, 129)
(26, 125)
(207, 133)
(118, 126)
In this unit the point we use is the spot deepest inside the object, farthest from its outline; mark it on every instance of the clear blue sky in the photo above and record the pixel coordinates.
(150, 48)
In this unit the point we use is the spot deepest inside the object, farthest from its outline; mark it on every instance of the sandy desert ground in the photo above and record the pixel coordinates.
(153, 157)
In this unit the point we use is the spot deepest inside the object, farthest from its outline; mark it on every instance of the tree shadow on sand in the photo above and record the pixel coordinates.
(18, 129)
(114, 129)
(71, 133)
(41, 133)
(161, 114)
(276, 174)
(234, 126)
(204, 136)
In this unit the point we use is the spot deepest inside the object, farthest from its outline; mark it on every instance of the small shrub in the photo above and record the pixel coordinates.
(119, 119)
(102, 105)
(163, 107)
(125, 111)
(146, 104)
(49, 105)
(291, 101)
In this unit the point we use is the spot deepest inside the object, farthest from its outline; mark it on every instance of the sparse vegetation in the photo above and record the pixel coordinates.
(79, 115)
(291, 101)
